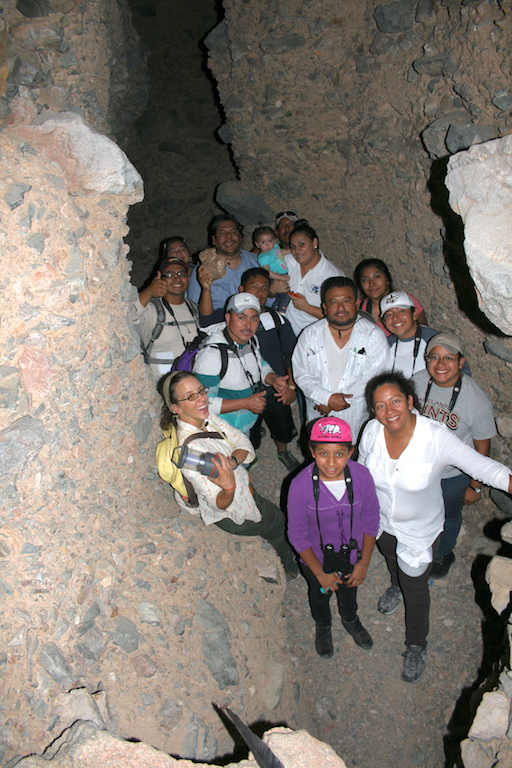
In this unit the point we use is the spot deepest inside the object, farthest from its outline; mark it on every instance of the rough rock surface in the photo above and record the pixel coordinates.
(64, 55)
(103, 587)
(480, 181)
(489, 742)
(83, 746)
(348, 115)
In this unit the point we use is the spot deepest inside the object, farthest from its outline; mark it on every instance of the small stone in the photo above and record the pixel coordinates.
(91, 645)
(53, 661)
(31, 549)
(394, 17)
(271, 688)
(464, 136)
(216, 644)
(34, 8)
(36, 241)
(149, 548)
(432, 65)
(20, 444)
(148, 613)
(217, 41)
(499, 347)
(143, 426)
(277, 45)
(143, 665)
(502, 99)
(15, 194)
(125, 635)
(381, 44)
(225, 133)
(424, 11)
(268, 573)
(238, 51)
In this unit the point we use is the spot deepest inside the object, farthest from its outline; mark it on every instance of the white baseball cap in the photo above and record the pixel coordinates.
(399, 299)
(239, 302)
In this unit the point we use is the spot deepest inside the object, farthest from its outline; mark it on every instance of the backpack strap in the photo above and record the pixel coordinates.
(277, 320)
(157, 330)
(193, 501)
(159, 305)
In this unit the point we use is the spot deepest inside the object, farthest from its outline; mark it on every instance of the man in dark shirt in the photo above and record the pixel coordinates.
(276, 340)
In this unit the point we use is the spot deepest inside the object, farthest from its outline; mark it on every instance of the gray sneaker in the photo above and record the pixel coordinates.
(390, 600)
(288, 460)
(414, 663)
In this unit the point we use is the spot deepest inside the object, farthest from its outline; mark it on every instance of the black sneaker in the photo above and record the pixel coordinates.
(442, 564)
(288, 460)
(390, 600)
(359, 633)
(414, 663)
(323, 641)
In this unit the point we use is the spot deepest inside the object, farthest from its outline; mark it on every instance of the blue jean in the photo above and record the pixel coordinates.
(453, 494)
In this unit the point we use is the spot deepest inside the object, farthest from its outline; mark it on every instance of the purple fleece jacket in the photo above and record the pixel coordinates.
(334, 515)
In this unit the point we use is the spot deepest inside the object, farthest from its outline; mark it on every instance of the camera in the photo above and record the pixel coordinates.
(186, 458)
(339, 562)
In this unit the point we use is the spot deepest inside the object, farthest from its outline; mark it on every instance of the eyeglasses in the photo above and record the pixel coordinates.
(286, 213)
(194, 395)
(445, 359)
(181, 273)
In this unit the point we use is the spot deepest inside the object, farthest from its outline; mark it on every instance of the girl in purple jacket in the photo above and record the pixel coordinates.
(333, 519)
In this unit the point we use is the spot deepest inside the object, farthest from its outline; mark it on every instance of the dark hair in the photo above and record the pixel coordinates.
(214, 224)
(304, 228)
(395, 379)
(167, 241)
(381, 266)
(167, 391)
(252, 272)
(259, 231)
(336, 282)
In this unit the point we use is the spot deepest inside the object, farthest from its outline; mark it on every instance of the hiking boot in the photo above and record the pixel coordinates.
(288, 460)
(442, 564)
(390, 600)
(359, 633)
(323, 641)
(414, 663)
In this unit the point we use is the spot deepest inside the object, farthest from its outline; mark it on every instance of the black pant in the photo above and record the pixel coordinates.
(414, 589)
(319, 603)
(271, 527)
(279, 420)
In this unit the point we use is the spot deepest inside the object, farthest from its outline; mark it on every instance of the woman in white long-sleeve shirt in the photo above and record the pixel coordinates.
(406, 454)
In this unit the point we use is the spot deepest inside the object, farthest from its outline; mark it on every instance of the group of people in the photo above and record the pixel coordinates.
(284, 323)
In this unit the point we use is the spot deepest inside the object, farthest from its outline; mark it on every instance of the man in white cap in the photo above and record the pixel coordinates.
(454, 399)
(408, 338)
(231, 366)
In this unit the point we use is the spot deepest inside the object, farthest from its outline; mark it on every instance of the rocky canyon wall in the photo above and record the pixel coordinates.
(347, 113)
(146, 617)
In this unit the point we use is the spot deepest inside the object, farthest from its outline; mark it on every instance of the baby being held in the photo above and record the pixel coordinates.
(271, 257)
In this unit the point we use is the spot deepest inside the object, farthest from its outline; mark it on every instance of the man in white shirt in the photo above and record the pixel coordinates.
(336, 357)
(163, 318)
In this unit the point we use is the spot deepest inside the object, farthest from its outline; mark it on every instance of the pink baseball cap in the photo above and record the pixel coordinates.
(330, 429)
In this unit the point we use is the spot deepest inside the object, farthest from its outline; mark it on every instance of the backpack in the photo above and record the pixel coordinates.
(185, 362)
(159, 326)
(168, 470)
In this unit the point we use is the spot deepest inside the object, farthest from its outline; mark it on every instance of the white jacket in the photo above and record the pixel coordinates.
(368, 355)
(410, 496)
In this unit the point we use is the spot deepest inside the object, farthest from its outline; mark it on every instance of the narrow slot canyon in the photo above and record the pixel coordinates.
(119, 609)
